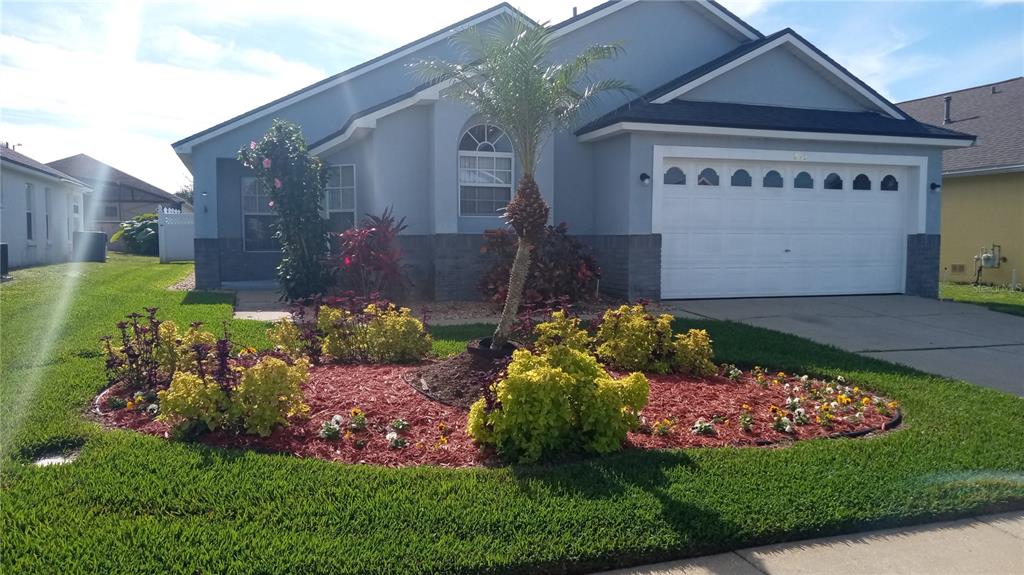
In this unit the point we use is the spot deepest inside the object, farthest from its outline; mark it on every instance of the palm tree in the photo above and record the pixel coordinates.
(511, 83)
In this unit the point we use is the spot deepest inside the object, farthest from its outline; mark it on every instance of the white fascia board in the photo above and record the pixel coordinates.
(11, 165)
(185, 147)
(806, 50)
(983, 171)
(613, 8)
(622, 127)
(731, 21)
(369, 121)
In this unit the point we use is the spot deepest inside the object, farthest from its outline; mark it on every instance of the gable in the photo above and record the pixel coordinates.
(783, 78)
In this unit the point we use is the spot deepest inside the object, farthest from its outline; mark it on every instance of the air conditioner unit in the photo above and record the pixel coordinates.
(989, 257)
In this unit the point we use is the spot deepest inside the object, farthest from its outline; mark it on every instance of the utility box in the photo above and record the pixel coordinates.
(90, 246)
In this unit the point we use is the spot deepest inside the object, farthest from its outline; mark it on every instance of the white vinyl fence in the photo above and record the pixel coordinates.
(177, 236)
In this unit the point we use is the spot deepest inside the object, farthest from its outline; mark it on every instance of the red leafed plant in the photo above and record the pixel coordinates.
(561, 268)
(370, 256)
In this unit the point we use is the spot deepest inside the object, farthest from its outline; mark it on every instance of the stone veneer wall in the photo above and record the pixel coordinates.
(923, 265)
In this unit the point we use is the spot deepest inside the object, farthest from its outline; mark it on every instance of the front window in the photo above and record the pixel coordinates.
(485, 171)
(29, 199)
(110, 212)
(257, 218)
(341, 197)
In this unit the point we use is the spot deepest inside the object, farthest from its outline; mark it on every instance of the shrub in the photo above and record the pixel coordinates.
(630, 338)
(295, 181)
(268, 393)
(562, 330)
(192, 399)
(560, 266)
(379, 333)
(140, 234)
(370, 256)
(559, 400)
(693, 353)
(182, 352)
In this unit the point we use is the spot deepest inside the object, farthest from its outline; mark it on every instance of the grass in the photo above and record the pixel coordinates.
(135, 503)
(994, 298)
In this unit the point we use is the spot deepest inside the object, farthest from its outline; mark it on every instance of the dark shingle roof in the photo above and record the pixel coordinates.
(725, 115)
(993, 112)
(10, 155)
(95, 172)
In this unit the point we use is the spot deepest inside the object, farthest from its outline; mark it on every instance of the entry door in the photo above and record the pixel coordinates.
(747, 229)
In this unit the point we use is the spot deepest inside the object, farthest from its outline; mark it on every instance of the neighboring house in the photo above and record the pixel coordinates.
(752, 166)
(983, 186)
(40, 209)
(117, 196)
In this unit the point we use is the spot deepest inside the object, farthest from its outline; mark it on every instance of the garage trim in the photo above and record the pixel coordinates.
(662, 152)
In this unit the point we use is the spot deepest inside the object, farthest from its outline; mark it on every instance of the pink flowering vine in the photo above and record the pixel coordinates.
(277, 183)
(266, 163)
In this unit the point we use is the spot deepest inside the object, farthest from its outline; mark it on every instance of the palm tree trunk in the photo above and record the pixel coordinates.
(516, 283)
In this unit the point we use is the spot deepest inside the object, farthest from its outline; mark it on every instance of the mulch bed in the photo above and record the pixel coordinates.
(457, 381)
(437, 436)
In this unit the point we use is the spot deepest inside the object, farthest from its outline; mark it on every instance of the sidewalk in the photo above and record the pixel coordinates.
(990, 545)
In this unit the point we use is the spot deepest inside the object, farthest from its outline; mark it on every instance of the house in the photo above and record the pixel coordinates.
(118, 196)
(982, 186)
(752, 165)
(40, 209)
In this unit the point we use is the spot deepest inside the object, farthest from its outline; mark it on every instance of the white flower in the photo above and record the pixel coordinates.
(829, 390)
(803, 379)
(152, 409)
(336, 421)
(841, 379)
(800, 411)
(391, 436)
(834, 405)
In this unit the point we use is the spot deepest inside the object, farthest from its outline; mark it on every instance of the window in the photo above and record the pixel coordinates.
(341, 197)
(804, 181)
(707, 177)
(741, 179)
(772, 179)
(833, 182)
(485, 171)
(111, 212)
(46, 211)
(77, 224)
(862, 182)
(889, 184)
(257, 218)
(675, 177)
(29, 200)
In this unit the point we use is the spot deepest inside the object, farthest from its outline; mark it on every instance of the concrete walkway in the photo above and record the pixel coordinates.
(957, 340)
(990, 545)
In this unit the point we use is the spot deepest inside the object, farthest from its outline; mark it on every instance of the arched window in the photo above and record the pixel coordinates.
(862, 182)
(485, 171)
(707, 177)
(772, 179)
(675, 177)
(833, 182)
(890, 184)
(741, 179)
(804, 181)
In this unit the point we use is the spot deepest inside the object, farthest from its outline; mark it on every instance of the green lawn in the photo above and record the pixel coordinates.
(994, 298)
(135, 503)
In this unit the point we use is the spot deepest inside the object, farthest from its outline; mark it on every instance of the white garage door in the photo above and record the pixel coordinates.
(745, 229)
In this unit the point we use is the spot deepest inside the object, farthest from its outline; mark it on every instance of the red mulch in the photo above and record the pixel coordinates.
(382, 393)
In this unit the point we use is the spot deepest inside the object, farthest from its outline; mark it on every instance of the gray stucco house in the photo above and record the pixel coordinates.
(752, 165)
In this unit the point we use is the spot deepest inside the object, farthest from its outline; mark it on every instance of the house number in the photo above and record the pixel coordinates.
(800, 156)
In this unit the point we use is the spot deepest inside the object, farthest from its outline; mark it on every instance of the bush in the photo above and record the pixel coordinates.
(179, 352)
(560, 400)
(370, 256)
(560, 266)
(562, 330)
(140, 234)
(268, 393)
(379, 333)
(693, 353)
(192, 399)
(630, 338)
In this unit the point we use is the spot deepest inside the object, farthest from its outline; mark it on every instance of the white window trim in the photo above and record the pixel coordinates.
(510, 186)
(241, 197)
(355, 193)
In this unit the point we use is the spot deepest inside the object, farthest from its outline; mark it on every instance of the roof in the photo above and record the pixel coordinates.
(992, 112)
(719, 114)
(94, 171)
(11, 155)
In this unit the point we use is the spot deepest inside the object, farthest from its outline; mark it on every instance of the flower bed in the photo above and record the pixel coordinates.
(436, 433)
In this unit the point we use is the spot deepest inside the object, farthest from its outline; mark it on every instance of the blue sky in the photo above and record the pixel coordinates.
(121, 80)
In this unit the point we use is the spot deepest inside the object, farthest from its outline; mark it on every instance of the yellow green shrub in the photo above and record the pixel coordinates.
(378, 334)
(268, 393)
(558, 400)
(693, 353)
(192, 399)
(287, 338)
(630, 338)
(562, 330)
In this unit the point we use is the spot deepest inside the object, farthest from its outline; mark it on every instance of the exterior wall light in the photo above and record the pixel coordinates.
(935, 187)
(644, 179)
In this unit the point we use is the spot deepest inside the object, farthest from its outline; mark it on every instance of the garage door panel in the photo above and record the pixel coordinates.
(735, 242)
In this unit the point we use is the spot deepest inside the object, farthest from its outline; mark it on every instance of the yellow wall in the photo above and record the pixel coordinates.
(980, 211)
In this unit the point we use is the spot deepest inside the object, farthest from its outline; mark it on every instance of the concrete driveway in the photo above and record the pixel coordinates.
(956, 340)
